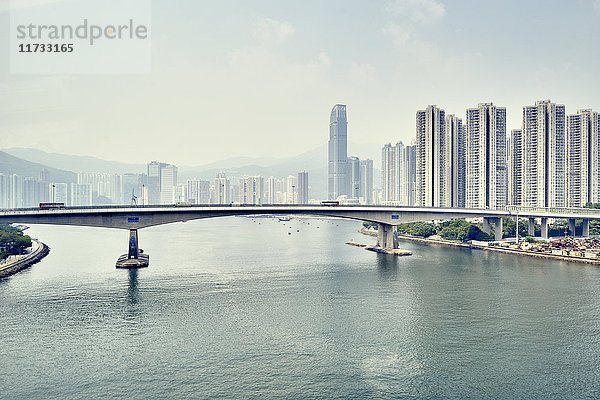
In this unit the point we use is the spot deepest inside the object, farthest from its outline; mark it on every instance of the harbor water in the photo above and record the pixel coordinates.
(261, 308)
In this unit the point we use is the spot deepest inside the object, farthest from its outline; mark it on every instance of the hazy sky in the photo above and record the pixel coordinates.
(258, 78)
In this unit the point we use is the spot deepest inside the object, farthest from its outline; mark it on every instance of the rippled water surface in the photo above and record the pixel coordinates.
(239, 308)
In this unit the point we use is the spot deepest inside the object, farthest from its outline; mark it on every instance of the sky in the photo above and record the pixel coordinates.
(258, 78)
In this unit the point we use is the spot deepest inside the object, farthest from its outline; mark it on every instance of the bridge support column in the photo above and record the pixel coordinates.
(545, 228)
(586, 228)
(135, 258)
(497, 228)
(486, 226)
(133, 244)
(386, 238)
(572, 227)
(531, 227)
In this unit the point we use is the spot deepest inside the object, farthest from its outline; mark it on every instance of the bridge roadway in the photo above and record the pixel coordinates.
(137, 217)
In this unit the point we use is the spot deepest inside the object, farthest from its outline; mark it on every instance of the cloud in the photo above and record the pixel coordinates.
(268, 30)
(417, 11)
(409, 15)
(399, 35)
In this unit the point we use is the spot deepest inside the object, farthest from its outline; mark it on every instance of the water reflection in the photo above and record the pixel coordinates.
(387, 266)
(132, 288)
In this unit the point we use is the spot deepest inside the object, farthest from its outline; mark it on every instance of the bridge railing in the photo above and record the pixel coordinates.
(553, 210)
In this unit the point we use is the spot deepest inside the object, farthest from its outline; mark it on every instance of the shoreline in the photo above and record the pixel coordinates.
(496, 249)
(19, 265)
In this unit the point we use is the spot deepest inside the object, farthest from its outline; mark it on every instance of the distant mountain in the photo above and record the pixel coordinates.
(74, 163)
(13, 165)
(235, 162)
(313, 161)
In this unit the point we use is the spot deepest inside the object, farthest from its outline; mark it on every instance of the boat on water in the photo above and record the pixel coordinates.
(285, 219)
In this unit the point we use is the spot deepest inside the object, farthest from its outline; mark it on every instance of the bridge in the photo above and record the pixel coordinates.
(133, 218)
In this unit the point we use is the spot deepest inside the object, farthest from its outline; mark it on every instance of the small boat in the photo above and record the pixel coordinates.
(284, 219)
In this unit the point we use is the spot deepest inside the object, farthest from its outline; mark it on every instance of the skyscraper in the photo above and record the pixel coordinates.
(153, 185)
(81, 194)
(486, 157)
(354, 177)
(198, 191)
(168, 183)
(430, 158)
(251, 190)
(410, 173)
(392, 174)
(222, 189)
(544, 149)
(271, 190)
(338, 179)
(515, 167)
(291, 190)
(302, 187)
(583, 158)
(366, 181)
(454, 161)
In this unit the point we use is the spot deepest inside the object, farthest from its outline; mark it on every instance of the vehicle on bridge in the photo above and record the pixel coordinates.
(45, 206)
(330, 203)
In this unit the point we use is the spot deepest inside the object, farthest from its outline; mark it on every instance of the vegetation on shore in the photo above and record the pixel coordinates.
(12, 241)
(457, 229)
(460, 229)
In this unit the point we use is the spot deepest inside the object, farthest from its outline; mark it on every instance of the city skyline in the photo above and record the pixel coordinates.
(552, 161)
(276, 66)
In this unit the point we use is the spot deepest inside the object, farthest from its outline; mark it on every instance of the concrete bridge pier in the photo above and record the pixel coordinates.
(386, 237)
(135, 258)
(545, 228)
(572, 227)
(487, 228)
(586, 228)
(497, 223)
(531, 227)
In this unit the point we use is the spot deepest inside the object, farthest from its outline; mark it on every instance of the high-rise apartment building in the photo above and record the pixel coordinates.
(251, 190)
(161, 183)
(59, 193)
(153, 186)
(486, 168)
(168, 183)
(291, 190)
(198, 191)
(515, 167)
(302, 187)
(431, 158)
(410, 174)
(393, 188)
(106, 188)
(365, 194)
(354, 177)
(271, 190)
(583, 158)
(338, 179)
(454, 161)
(222, 189)
(544, 149)
(81, 194)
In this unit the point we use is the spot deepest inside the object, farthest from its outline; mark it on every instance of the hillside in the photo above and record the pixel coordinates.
(74, 163)
(13, 165)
